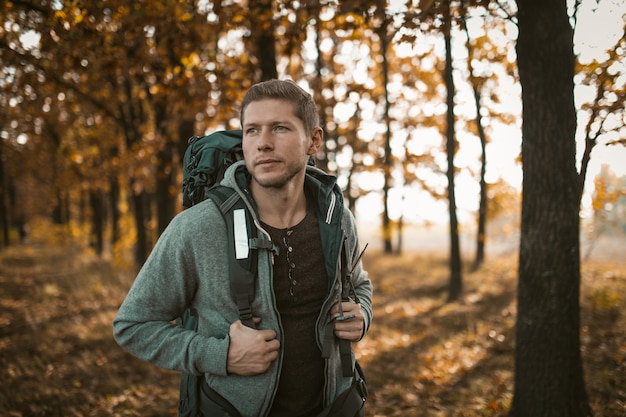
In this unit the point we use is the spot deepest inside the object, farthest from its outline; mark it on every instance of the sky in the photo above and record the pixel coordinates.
(599, 26)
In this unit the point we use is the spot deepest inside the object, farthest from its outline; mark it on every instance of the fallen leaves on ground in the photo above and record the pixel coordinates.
(423, 355)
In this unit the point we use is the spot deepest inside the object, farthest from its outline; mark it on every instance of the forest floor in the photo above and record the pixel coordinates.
(423, 356)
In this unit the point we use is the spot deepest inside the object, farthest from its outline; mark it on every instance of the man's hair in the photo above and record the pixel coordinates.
(303, 105)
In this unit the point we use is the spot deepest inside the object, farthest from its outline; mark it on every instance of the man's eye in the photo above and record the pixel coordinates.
(251, 130)
(280, 128)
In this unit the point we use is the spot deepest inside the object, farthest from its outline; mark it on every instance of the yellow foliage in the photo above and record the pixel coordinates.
(191, 60)
(186, 17)
(238, 19)
(79, 16)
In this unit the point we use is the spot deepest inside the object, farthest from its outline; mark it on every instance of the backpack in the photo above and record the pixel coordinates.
(204, 164)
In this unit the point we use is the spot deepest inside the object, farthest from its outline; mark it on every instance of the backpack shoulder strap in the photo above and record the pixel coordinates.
(242, 248)
(347, 292)
(345, 348)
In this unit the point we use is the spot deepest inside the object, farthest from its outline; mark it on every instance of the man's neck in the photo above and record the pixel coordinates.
(280, 208)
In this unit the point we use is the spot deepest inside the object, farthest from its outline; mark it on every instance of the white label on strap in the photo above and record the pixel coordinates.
(241, 234)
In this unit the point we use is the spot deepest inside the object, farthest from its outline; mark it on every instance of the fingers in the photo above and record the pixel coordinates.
(349, 310)
(350, 324)
(349, 330)
(251, 351)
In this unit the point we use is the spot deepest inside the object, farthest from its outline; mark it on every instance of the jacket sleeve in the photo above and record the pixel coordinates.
(165, 286)
(360, 279)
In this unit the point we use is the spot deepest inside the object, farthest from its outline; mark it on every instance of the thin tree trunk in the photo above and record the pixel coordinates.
(262, 28)
(456, 280)
(400, 243)
(60, 212)
(4, 206)
(140, 212)
(114, 198)
(322, 163)
(482, 205)
(387, 161)
(166, 177)
(97, 220)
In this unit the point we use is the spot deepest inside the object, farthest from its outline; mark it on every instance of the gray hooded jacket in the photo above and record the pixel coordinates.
(188, 266)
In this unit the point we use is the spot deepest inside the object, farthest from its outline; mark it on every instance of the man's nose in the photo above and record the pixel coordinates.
(265, 139)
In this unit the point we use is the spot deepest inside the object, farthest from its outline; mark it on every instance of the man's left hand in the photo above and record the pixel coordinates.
(348, 326)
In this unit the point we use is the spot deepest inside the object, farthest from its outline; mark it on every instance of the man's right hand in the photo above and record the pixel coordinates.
(251, 351)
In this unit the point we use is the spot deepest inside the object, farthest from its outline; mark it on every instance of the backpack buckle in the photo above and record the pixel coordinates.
(362, 388)
(245, 312)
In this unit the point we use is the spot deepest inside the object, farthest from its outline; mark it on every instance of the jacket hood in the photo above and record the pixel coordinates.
(318, 184)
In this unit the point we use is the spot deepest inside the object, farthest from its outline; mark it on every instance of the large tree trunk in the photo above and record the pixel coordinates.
(548, 367)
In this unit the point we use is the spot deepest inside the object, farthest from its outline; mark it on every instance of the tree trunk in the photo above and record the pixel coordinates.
(548, 366)
(400, 243)
(482, 205)
(317, 83)
(114, 198)
(387, 162)
(4, 206)
(97, 220)
(166, 177)
(456, 281)
(141, 218)
(60, 212)
(186, 129)
(262, 29)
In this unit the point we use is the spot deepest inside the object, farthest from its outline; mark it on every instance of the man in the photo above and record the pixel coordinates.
(278, 368)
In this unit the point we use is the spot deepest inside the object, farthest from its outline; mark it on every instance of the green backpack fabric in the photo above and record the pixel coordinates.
(205, 162)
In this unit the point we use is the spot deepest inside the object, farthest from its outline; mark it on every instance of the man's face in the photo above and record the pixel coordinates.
(276, 146)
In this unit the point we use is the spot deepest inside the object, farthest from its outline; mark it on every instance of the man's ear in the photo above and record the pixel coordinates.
(317, 140)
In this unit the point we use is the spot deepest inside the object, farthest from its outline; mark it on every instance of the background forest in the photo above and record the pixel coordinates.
(432, 110)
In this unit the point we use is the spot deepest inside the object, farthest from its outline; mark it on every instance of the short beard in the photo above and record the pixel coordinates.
(280, 182)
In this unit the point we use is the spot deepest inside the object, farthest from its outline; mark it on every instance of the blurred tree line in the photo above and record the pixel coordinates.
(99, 97)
